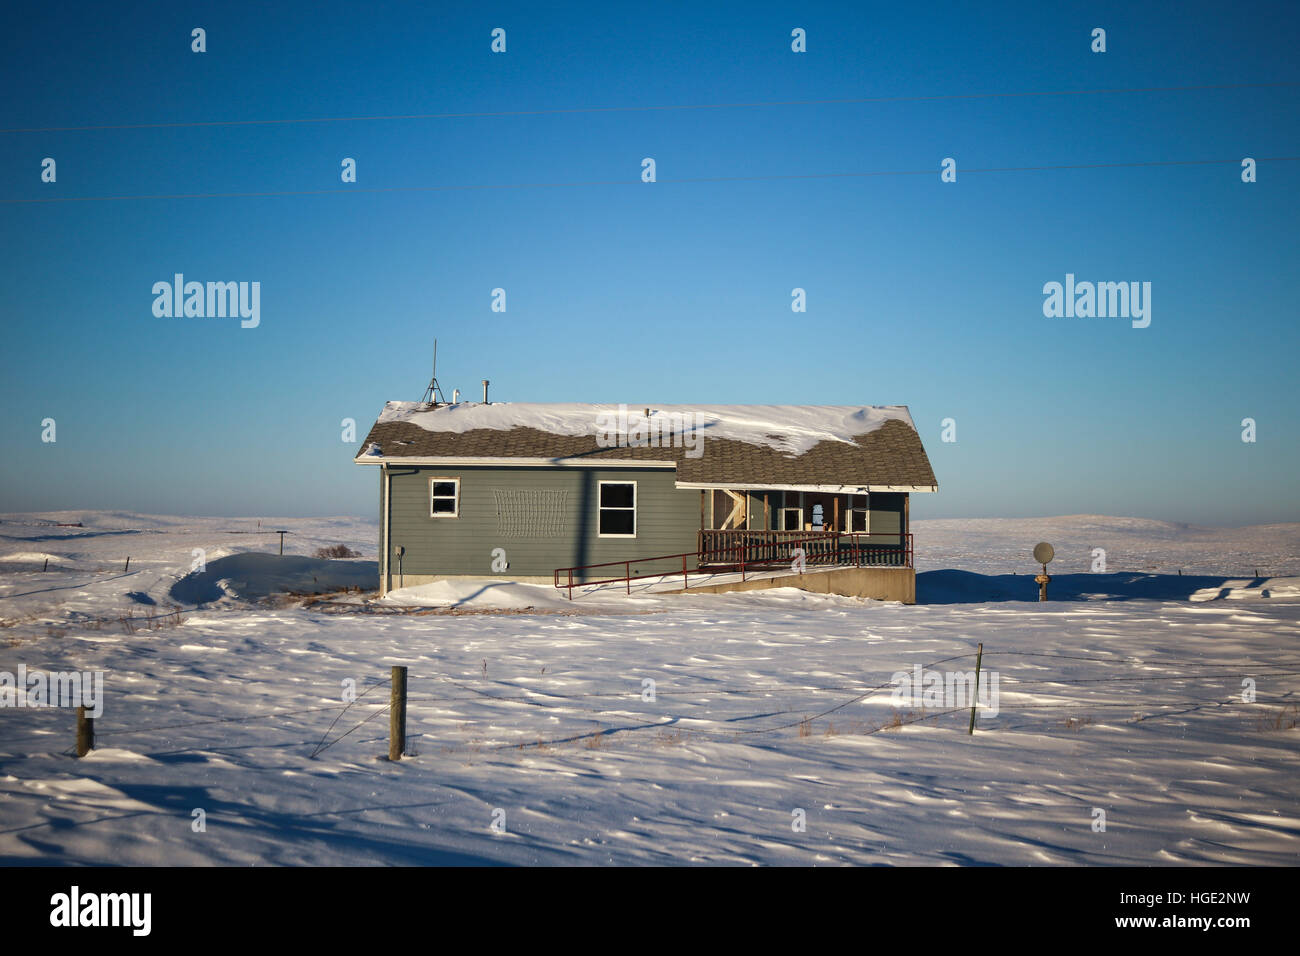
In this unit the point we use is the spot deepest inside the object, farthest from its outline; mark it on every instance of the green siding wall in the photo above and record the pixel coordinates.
(886, 512)
(667, 519)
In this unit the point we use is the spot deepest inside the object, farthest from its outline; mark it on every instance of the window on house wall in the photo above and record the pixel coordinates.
(444, 497)
(791, 519)
(617, 517)
(858, 520)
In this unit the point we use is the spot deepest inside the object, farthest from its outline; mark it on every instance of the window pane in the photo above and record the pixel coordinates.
(790, 521)
(617, 522)
(444, 489)
(444, 506)
(616, 496)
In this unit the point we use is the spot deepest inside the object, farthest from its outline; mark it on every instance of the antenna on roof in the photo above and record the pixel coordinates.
(433, 394)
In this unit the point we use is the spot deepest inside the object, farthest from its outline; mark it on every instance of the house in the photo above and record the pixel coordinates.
(567, 493)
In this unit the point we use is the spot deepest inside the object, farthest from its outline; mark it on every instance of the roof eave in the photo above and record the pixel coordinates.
(826, 489)
(570, 462)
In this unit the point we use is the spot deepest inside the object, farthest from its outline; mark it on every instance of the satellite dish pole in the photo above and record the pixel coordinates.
(1043, 552)
(433, 394)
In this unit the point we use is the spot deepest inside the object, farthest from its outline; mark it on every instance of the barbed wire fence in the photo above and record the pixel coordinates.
(687, 721)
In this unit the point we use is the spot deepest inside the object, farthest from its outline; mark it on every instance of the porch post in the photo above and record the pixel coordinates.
(907, 528)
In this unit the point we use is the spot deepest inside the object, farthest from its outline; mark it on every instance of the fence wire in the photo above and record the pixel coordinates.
(553, 701)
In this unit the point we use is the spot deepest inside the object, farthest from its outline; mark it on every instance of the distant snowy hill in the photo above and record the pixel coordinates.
(1003, 545)
(87, 552)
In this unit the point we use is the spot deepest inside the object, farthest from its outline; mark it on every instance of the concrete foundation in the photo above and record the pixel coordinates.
(880, 584)
(414, 580)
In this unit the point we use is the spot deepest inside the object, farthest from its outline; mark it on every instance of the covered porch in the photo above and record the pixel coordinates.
(755, 526)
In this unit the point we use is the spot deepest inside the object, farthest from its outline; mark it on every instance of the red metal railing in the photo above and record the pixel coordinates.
(747, 551)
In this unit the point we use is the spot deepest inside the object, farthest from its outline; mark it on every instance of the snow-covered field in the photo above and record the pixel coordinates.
(1124, 696)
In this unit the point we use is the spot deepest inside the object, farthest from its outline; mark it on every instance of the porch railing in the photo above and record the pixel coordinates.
(886, 549)
(749, 552)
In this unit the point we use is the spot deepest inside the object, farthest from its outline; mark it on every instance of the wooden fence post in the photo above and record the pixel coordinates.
(397, 715)
(127, 567)
(979, 659)
(85, 732)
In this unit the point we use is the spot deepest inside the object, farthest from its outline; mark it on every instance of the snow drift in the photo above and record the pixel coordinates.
(251, 576)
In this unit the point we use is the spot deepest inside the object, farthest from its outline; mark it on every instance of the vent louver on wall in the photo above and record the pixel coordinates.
(530, 514)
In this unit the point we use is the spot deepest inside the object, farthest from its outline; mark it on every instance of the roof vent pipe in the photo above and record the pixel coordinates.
(455, 396)
(485, 385)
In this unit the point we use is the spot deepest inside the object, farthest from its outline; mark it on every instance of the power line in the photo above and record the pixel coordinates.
(562, 111)
(637, 182)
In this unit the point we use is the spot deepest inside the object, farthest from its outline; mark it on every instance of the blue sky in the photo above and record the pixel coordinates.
(919, 292)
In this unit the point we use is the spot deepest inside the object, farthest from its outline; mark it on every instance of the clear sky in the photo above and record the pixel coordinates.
(919, 292)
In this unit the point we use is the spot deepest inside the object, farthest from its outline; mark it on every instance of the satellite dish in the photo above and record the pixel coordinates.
(1043, 552)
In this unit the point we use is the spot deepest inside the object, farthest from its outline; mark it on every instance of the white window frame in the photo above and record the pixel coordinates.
(600, 508)
(781, 518)
(456, 512)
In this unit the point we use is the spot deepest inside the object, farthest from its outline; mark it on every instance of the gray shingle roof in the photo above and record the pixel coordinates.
(891, 455)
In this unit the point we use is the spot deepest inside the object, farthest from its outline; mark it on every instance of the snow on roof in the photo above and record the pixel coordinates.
(792, 429)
